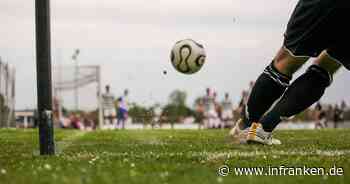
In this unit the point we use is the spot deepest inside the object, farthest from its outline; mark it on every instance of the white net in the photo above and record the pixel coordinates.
(76, 87)
(68, 78)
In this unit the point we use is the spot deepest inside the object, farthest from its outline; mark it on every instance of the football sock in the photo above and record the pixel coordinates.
(269, 86)
(302, 93)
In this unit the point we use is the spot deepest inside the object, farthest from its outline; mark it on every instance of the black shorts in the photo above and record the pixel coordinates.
(318, 25)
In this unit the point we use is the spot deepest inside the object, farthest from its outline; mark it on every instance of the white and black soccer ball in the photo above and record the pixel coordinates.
(187, 56)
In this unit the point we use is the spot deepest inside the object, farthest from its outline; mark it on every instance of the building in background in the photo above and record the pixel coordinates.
(25, 118)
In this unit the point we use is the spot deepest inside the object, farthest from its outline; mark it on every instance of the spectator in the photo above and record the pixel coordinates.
(88, 123)
(336, 115)
(76, 123)
(210, 114)
(199, 112)
(343, 106)
(218, 110)
(320, 116)
(227, 110)
(242, 103)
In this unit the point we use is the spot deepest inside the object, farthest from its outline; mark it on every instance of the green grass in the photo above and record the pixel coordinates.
(167, 156)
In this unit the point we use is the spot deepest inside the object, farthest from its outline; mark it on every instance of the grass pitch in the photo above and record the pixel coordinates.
(167, 156)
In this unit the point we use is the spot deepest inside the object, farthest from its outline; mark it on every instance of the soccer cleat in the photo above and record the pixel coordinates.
(239, 133)
(256, 134)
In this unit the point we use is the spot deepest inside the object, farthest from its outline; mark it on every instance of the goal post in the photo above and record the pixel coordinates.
(65, 79)
(99, 96)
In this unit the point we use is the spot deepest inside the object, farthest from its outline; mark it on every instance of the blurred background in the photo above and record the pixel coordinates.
(126, 45)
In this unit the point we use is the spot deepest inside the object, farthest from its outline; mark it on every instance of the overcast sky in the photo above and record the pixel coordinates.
(131, 41)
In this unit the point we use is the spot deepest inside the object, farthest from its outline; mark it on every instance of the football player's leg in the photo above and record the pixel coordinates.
(303, 92)
(310, 30)
(271, 84)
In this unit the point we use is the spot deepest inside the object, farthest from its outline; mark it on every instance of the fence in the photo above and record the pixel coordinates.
(7, 95)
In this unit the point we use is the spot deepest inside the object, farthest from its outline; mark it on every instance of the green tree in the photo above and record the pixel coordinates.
(176, 109)
(141, 114)
(198, 101)
(198, 112)
(178, 98)
(347, 115)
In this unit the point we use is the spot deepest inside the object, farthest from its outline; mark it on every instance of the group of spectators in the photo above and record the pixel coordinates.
(220, 114)
(323, 114)
(78, 121)
(210, 112)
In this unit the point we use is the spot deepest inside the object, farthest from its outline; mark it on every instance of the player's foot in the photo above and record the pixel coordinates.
(238, 133)
(256, 134)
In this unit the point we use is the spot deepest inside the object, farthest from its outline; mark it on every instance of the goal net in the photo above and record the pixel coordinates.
(77, 88)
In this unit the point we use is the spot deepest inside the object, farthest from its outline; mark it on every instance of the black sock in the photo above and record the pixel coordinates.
(270, 85)
(302, 93)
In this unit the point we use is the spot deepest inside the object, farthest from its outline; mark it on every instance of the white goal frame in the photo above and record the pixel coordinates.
(60, 85)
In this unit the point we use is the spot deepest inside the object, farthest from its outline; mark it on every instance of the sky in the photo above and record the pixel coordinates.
(131, 41)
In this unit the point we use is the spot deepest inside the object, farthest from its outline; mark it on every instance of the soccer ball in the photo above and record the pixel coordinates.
(187, 56)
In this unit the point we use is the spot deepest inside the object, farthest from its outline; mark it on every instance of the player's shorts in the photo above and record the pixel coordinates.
(318, 25)
(227, 114)
(107, 113)
(122, 114)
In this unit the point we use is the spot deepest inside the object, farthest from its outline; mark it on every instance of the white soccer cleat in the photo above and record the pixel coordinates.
(256, 134)
(238, 133)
